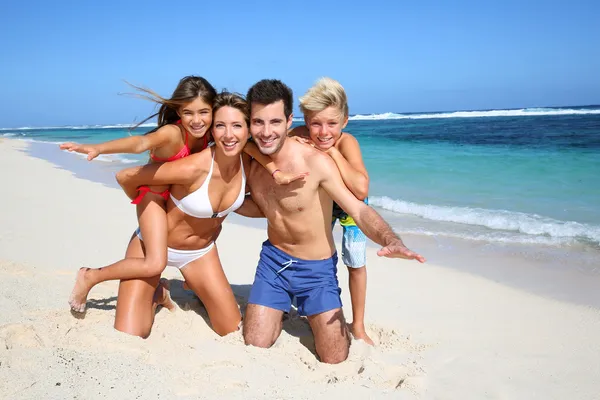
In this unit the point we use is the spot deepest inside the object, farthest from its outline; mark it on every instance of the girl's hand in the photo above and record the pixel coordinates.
(90, 150)
(284, 178)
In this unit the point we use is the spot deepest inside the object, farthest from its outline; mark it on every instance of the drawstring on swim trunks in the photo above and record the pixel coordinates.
(285, 265)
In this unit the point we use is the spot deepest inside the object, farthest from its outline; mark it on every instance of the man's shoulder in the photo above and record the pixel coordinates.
(253, 167)
(316, 159)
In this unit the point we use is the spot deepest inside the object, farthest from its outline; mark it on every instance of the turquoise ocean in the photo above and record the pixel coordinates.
(514, 177)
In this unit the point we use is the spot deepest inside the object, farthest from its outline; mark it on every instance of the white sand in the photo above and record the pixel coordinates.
(442, 334)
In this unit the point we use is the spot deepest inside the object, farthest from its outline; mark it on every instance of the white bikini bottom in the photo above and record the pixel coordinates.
(181, 258)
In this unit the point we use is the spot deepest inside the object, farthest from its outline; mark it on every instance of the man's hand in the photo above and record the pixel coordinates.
(399, 250)
(90, 150)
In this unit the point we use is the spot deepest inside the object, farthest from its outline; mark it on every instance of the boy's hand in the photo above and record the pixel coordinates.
(90, 150)
(304, 140)
(308, 141)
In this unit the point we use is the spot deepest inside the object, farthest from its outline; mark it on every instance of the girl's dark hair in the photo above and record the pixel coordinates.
(187, 90)
(233, 100)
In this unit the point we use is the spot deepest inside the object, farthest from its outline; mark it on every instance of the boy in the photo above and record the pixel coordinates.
(325, 109)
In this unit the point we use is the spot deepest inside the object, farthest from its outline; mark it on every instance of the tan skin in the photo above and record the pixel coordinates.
(299, 218)
(323, 130)
(196, 118)
(137, 299)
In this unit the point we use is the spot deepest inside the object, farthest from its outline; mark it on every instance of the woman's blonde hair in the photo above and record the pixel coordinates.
(326, 92)
(233, 100)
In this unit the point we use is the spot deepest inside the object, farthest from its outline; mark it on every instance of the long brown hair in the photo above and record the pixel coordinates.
(187, 90)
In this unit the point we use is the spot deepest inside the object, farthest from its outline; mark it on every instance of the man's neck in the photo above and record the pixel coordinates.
(283, 154)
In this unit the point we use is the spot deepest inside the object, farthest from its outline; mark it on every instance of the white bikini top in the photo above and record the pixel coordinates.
(197, 204)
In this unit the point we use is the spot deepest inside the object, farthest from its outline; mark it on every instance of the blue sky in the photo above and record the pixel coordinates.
(64, 62)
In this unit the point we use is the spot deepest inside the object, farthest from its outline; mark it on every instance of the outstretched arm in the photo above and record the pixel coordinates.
(281, 178)
(367, 219)
(183, 172)
(132, 144)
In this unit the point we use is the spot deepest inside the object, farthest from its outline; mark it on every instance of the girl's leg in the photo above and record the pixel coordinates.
(206, 278)
(153, 227)
(138, 298)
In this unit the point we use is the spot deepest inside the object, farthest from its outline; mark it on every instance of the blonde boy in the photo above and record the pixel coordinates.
(325, 109)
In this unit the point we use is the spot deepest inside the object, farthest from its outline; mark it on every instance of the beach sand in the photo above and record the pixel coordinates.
(440, 333)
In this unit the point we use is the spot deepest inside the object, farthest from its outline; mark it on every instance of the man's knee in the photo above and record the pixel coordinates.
(257, 340)
(337, 356)
(264, 338)
(261, 333)
(336, 349)
(332, 340)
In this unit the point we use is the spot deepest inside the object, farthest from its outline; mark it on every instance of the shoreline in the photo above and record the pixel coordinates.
(440, 333)
(555, 272)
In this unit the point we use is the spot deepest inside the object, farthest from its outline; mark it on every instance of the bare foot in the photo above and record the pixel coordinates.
(162, 295)
(80, 291)
(360, 333)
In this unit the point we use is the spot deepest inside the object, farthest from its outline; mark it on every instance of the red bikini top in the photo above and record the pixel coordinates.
(183, 152)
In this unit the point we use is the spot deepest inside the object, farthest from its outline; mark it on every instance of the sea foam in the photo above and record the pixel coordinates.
(523, 112)
(500, 220)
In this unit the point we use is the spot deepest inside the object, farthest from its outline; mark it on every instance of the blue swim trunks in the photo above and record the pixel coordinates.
(354, 241)
(280, 277)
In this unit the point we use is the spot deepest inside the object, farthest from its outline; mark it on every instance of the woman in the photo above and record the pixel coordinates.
(205, 187)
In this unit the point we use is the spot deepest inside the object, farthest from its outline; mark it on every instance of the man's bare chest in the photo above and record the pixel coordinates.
(272, 197)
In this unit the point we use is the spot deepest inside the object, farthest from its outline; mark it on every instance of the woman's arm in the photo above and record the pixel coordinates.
(250, 209)
(184, 171)
(348, 159)
(131, 144)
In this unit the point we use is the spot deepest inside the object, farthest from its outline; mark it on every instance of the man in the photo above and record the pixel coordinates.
(299, 258)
